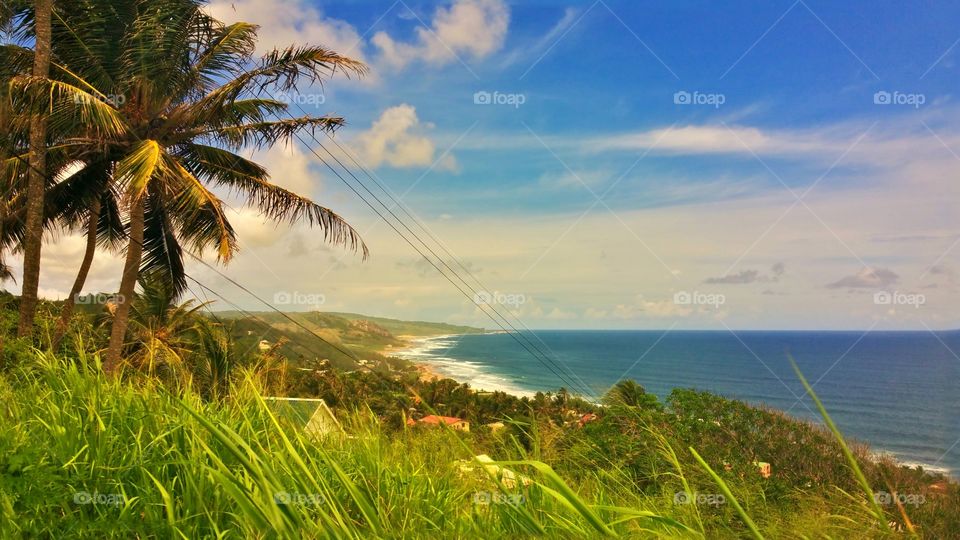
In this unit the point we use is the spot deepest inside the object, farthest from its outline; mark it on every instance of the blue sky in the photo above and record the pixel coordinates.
(790, 192)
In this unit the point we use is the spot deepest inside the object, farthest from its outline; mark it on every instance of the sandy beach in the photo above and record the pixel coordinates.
(426, 370)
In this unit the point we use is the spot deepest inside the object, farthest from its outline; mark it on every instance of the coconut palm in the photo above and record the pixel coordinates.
(37, 182)
(628, 393)
(166, 96)
(216, 360)
(163, 333)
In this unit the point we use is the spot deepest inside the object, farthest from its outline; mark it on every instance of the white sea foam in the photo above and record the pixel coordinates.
(432, 351)
(938, 468)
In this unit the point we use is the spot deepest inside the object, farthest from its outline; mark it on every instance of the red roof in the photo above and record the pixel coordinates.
(433, 419)
(589, 417)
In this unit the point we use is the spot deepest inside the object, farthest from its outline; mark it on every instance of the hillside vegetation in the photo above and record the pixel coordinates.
(183, 445)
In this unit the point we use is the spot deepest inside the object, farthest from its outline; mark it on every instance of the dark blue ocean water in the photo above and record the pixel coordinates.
(898, 391)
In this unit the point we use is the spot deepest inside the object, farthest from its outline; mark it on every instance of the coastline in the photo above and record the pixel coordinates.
(407, 350)
(416, 349)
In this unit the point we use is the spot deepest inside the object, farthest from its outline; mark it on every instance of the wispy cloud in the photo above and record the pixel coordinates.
(867, 278)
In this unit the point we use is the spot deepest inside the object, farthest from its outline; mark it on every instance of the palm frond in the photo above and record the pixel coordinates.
(67, 107)
(192, 119)
(268, 133)
(134, 172)
(284, 70)
(245, 177)
(162, 254)
(227, 54)
(199, 213)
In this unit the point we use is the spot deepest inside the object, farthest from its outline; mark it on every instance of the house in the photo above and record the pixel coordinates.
(589, 417)
(766, 470)
(312, 414)
(458, 424)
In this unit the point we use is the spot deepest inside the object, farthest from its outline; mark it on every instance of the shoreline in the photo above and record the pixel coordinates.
(413, 348)
(427, 371)
(410, 351)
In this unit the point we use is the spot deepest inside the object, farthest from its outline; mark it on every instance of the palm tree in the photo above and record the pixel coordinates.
(190, 100)
(216, 359)
(163, 334)
(628, 393)
(38, 165)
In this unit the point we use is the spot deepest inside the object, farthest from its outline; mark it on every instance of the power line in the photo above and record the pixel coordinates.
(398, 203)
(546, 361)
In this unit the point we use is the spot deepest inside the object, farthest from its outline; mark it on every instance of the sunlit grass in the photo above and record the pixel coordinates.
(83, 456)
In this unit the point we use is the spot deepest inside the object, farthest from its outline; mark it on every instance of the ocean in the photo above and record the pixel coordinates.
(897, 391)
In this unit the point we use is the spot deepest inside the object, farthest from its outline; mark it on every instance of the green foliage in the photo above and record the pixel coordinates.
(191, 450)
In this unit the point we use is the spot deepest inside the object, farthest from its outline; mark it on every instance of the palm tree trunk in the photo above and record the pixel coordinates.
(131, 271)
(33, 235)
(71, 301)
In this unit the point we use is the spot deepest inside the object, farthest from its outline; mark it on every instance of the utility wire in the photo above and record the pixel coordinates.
(398, 203)
(546, 361)
(516, 335)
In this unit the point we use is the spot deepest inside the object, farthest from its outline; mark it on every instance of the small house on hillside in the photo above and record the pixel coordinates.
(587, 418)
(310, 414)
(458, 424)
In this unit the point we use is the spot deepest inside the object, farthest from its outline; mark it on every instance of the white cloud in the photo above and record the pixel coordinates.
(396, 139)
(289, 168)
(290, 22)
(471, 28)
(528, 51)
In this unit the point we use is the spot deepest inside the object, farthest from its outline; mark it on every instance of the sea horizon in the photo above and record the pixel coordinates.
(892, 412)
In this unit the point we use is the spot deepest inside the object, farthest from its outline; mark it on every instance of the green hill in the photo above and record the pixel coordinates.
(297, 335)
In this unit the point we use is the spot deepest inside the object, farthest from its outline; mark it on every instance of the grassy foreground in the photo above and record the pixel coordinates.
(82, 456)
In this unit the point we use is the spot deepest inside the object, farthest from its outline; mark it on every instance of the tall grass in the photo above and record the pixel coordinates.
(81, 456)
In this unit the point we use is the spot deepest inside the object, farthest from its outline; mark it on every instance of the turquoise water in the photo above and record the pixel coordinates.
(897, 391)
